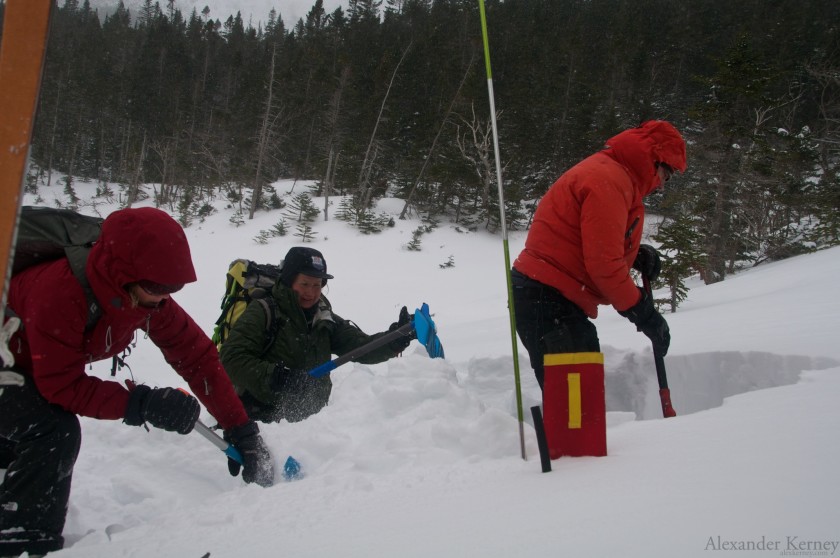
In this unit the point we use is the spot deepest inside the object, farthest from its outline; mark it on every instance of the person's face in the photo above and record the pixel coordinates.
(145, 298)
(664, 173)
(308, 290)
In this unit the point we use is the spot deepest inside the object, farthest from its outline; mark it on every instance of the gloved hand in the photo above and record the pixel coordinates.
(650, 322)
(285, 380)
(401, 343)
(256, 460)
(647, 262)
(167, 408)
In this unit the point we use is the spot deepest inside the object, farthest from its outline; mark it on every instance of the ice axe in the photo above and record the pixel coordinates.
(422, 325)
(661, 377)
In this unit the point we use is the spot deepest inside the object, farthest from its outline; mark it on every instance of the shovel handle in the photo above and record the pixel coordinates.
(331, 365)
(218, 441)
(661, 376)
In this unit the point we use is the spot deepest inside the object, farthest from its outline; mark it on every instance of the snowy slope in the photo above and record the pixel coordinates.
(420, 457)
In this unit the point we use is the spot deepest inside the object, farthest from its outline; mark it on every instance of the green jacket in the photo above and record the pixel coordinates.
(298, 347)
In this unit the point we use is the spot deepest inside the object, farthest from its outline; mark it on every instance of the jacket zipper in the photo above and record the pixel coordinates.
(630, 232)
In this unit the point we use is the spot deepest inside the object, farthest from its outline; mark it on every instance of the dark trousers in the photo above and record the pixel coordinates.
(548, 323)
(40, 443)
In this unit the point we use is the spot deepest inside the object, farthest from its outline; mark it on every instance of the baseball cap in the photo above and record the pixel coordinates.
(308, 261)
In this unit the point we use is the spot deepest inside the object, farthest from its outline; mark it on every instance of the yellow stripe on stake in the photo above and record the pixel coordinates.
(573, 358)
(574, 401)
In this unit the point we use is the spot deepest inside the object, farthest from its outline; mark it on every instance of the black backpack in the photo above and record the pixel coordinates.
(48, 233)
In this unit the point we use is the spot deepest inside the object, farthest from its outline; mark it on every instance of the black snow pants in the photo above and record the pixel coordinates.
(549, 323)
(39, 443)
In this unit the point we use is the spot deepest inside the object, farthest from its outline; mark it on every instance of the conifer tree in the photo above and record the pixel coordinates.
(302, 209)
(681, 255)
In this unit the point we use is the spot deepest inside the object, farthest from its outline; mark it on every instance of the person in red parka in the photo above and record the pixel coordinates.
(585, 238)
(141, 258)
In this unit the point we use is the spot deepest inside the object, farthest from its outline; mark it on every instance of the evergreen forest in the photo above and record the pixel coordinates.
(391, 96)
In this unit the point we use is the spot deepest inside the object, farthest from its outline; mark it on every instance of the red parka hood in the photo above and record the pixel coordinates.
(651, 142)
(141, 244)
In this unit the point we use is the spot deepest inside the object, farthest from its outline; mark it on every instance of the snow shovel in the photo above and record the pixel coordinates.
(422, 325)
(218, 441)
(659, 360)
(291, 469)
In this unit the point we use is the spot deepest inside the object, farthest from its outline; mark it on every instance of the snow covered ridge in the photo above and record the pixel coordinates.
(419, 457)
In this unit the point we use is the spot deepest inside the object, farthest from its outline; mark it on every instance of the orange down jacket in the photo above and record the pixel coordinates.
(587, 227)
(54, 348)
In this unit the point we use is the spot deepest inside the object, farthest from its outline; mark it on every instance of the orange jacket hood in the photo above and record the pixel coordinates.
(654, 141)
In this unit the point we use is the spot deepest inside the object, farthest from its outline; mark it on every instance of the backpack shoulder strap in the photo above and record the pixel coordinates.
(272, 320)
(77, 258)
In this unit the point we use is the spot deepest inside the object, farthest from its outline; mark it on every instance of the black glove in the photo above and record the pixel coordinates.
(285, 380)
(167, 408)
(647, 262)
(650, 322)
(400, 344)
(256, 460)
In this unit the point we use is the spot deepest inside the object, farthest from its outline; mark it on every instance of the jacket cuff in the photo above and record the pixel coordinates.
(134, 410)
(239, 433)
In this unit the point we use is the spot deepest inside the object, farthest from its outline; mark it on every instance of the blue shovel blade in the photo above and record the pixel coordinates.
(291, 469)
(426, 331)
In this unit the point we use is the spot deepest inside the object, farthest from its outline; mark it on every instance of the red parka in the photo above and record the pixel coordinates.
(587, 227)
(53, 347)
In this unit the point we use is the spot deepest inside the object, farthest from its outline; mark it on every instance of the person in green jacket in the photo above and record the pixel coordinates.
(273, 382)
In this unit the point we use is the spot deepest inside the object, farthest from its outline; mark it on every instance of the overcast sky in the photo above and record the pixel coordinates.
(252, 11)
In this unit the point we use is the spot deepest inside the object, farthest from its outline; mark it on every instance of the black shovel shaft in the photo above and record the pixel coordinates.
(660, 369)
(401, 331)
(329, 366)
(659, 361)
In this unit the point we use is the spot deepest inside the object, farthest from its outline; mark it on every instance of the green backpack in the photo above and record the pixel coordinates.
(248, 281)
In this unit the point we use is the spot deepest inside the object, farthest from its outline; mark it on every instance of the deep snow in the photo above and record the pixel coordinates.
(420, 457)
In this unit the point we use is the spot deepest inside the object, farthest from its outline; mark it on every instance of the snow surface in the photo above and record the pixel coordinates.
(421, 457)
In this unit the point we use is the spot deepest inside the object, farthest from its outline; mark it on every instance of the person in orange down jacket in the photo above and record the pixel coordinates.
(141, 258)
(585, 238)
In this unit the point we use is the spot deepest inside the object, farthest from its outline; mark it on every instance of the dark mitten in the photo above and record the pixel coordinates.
(167, 408)
(285, 380)
(256, 460)
(301, 394)
(401, 343)
(648, 262)
(650, 322)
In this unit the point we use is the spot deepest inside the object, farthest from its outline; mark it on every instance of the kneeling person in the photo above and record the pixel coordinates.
(273, 382)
